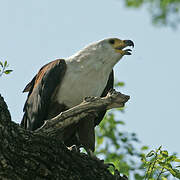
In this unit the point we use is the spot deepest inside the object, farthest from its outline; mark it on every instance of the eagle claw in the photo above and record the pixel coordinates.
(74, 148)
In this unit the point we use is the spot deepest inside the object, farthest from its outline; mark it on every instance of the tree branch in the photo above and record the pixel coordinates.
(55, 126)
(39, 155)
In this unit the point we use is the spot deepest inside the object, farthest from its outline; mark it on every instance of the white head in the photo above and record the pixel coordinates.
(105, 52)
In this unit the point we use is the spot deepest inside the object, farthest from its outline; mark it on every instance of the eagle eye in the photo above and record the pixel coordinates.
(111, 41)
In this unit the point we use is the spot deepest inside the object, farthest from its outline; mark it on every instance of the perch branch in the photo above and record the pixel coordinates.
(54, 126)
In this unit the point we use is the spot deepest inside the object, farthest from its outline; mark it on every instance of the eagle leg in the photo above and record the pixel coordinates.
(76, 147)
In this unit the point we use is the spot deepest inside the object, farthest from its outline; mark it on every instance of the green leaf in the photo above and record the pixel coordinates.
(144, 148)
(8, 71)
(120, 122)
(122, 109)
(100, 140)
(138, 177)
(164, 153)
(177, 160)
(171, 158)
(162, 164)
(5, 63)
(159, 149)
(151, 153)
(1, 64)
(119, 84)
(124, 139)
(177, 173)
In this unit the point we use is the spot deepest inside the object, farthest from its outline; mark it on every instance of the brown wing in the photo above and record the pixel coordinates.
(41, 90)
(110, 85)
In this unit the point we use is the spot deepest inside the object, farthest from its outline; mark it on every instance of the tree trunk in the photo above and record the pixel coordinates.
(41, 155)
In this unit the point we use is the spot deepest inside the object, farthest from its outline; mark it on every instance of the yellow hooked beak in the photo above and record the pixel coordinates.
(119, 46)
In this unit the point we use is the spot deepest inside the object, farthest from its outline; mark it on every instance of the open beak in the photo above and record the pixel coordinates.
(121, 44)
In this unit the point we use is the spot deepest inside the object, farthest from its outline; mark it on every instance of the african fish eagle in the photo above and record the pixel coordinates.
(63, 83)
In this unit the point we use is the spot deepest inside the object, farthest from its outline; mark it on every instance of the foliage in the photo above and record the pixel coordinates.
(3, 68)
(163, 12)
(119, 147)
(158, 163)
(123, 149)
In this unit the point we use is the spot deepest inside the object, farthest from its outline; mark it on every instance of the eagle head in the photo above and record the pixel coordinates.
(105, 52)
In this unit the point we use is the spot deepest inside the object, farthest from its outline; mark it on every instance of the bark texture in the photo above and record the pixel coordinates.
(42, 155)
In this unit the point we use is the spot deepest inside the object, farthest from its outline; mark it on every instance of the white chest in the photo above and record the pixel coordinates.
(78, 84)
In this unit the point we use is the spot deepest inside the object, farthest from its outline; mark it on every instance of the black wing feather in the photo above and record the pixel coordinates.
(110, 85)
(41, 90)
